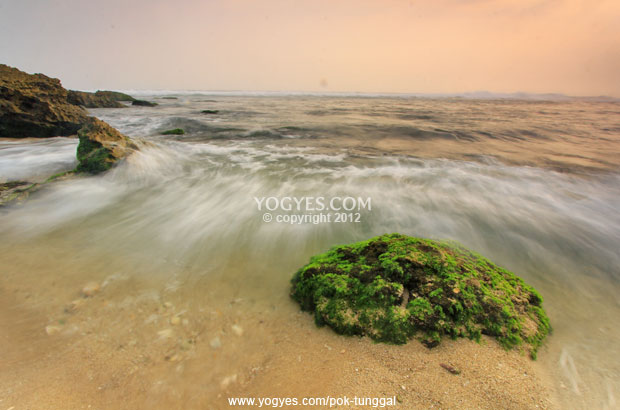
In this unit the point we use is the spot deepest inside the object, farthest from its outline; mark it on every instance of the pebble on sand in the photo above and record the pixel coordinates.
(165, 334)
(90, 289)
(238, 330)
(174, 358)
(74, 305)
(450, 368)
(228, 380)
(215, 343)
(52, 330)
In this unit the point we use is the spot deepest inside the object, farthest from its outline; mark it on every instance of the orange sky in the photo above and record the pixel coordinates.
(434, 46)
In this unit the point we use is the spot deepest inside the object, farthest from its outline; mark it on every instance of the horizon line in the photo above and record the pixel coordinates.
(481, 94)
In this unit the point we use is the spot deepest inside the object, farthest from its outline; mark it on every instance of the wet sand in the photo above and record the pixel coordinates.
(166, 343)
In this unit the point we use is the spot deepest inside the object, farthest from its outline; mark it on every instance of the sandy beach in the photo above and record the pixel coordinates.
(152, 344)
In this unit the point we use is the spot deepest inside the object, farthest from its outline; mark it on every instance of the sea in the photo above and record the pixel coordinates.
(533, 185)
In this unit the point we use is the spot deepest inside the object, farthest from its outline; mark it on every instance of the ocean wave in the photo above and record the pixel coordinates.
(35, 160)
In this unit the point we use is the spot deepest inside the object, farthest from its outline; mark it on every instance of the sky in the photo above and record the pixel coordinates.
(393, 46)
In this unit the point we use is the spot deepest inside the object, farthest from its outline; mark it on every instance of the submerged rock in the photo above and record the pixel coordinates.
(143, 103)
(176, 131)
(101, 146)
(15, 191)
(35, 106)
(393, 288)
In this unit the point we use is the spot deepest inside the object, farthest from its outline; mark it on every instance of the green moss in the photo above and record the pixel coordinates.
(175, 131)
(92, 156)
(58, 175)
(394, 287)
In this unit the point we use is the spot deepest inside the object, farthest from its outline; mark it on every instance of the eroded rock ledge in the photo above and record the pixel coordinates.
(35, 106)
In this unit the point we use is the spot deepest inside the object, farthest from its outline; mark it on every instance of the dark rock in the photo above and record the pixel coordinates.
(143, 103)
(92, 100)
(115, 95)
(35, 106)
(209, 111)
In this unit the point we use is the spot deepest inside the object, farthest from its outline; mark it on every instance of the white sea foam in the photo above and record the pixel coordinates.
(33, 160)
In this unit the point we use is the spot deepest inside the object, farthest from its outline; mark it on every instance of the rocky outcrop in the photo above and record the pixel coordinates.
(99, 99)
(91, 100)
(35, 106)
(101, 146)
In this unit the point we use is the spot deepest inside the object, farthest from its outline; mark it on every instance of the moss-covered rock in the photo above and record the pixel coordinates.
(101, 146)
(394, 287)
(175, 131)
